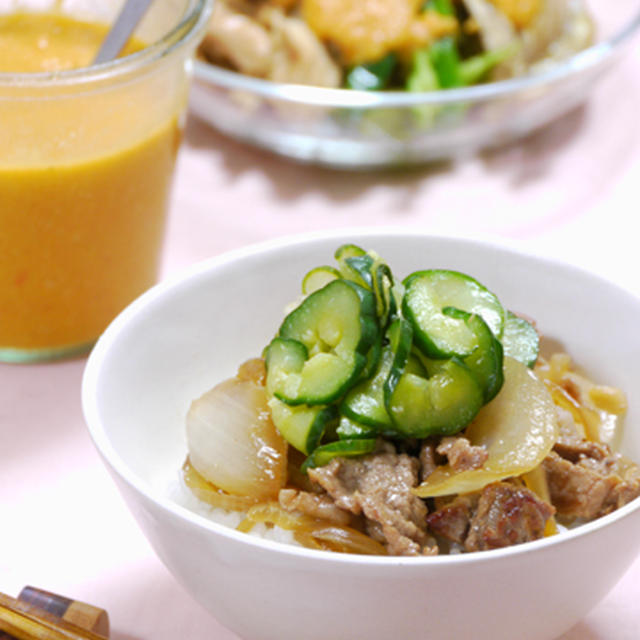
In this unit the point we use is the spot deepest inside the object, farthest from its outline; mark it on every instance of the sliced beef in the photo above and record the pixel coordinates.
(588, 480)
(316, 505)
(575, 450)
(500, 515)
(379, 486)
(461, 454)
(427, 458)
(576, 491)
(451, 521)
(506, 515)
(629, 489)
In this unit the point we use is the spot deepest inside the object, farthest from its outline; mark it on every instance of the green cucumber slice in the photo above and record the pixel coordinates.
(318, 278)
(400, 336)
(337, 325)
(283, 356)
(364, 403)
(373, 359)
(520, 340)
(341, 448)
(486, 360)
(302, 426)
(368, 270)
(426, 397)
(359, 269)
(345, 251)
(439, 335)
(371, 272)
(415, 363)
(351, 429)
(443, 404)
(383, 291)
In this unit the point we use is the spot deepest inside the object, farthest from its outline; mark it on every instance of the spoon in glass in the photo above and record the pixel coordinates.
(119, 34)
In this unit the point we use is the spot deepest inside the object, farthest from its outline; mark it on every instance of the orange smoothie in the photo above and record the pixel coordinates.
(81, 215)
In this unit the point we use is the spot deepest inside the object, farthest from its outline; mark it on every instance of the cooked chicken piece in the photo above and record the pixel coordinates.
(237, 39)
(297, 54)
(536, 30)
(262, 41)
(495, 27)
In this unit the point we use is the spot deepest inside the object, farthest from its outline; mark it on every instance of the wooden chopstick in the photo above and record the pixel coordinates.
(20, 621)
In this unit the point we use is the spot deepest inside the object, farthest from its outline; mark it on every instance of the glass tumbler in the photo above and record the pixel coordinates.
(86, 164)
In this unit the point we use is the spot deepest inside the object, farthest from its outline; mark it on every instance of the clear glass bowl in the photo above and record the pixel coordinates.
(358, 129)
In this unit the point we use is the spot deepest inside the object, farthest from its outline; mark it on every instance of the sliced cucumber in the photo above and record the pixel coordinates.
(520, 339)
(359, 269)
(383, 290)
(365, 402)
(363, 355)
(337, 326)
(282, 357)
(486, 360)
(341, 448)
(416, 363)
(443, 404)
(318, 278)
(439, 335)
(426, 397)
(347, 251)
(400, 336)
(351, 429)
(302, 426)
(373, 359)
(370, 271)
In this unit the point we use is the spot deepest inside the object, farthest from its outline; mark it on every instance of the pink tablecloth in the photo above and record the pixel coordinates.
(571, 192)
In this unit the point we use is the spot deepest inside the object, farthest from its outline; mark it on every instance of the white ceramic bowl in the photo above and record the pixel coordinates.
(188, 333)
(363, 129)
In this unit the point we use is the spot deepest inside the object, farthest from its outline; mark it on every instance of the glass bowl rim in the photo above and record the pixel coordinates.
(189, 26)
(585, 60)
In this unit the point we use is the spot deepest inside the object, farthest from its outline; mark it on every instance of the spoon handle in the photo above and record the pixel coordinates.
(127, 20)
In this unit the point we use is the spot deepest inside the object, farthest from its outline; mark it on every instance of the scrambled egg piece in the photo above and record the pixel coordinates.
(520, 12)
(367, 31)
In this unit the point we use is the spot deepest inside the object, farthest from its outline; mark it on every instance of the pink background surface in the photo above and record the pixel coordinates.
(571, 191)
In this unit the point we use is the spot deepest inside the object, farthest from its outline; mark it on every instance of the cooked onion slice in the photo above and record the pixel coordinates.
(598, 411)
(312, 532)
(536, 481)
(209, 493)
(518, 428)
(233, 443)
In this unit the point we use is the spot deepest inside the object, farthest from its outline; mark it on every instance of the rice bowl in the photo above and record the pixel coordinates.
(161, 353)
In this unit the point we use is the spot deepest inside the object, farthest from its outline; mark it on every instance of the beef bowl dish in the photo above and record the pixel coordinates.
(354, 433)
(360, 84)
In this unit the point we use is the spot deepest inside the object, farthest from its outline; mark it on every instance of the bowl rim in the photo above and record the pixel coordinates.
(117, 466)
(584, 60)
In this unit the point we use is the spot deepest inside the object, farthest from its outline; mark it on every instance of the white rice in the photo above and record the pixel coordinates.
(179, 493)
